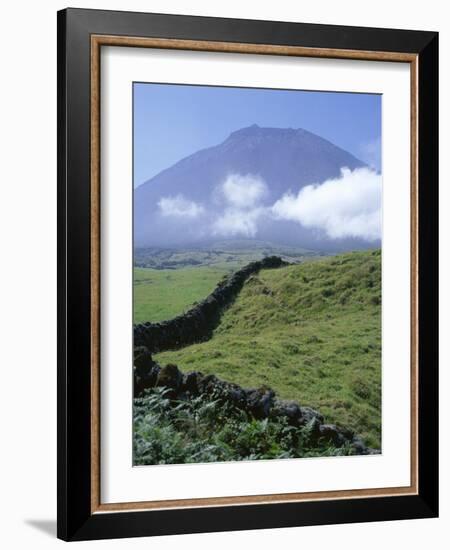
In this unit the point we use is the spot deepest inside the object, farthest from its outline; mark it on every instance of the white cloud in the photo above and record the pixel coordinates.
(349, 206)
(244, 195)
(243, 192)
(234, 222)
(179, 207)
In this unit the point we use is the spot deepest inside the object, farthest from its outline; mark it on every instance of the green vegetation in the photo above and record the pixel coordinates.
(312, 332)
(168, 282)
(206, 429)
(163, 294)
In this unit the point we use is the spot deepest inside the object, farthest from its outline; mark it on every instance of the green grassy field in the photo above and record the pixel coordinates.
(163, 294)
(311, 331)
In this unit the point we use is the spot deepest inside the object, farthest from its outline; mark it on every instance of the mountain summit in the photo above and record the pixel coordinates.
(263, 163)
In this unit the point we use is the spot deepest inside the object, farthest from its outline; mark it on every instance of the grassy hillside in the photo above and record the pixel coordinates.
(312, 332)
(167, 282)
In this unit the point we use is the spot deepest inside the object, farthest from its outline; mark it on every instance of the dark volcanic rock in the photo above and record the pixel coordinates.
(170, 377)
(208, 383)
(290, 409)
(359, 447)
(143, 361)
(331, 434)
(145, 370)
(190, 382)
(314, 426)
(260, 401)
(309, 414)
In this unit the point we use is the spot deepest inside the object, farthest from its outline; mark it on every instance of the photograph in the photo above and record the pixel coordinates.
(257, 273)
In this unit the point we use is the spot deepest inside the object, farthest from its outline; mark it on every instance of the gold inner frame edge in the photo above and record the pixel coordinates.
(97, 41)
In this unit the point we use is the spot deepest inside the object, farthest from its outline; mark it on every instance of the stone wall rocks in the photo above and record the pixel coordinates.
(259, 403)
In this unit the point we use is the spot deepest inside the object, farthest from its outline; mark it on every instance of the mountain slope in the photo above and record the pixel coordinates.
(285, 159)
(312, 332)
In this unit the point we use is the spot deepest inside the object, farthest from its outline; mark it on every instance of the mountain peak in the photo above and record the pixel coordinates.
(267, 131)
(248, 130)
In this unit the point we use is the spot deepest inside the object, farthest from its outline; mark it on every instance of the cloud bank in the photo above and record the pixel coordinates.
(179, 207)
(349, 206)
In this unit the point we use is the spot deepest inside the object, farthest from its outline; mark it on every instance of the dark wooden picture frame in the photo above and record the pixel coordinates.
(81, 34)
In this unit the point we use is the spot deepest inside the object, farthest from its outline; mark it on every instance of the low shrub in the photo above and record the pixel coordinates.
(208, 429)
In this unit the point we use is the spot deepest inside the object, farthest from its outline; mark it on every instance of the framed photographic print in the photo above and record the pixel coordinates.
(247, 274)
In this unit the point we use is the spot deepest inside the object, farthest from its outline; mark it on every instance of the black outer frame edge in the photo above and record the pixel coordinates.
(73, 448)
(193, 27)
(428, 129)
(250, 517)
(61, 290)
(75, 521)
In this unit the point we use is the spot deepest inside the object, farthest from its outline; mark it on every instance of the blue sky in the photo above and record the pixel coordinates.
(174, 121)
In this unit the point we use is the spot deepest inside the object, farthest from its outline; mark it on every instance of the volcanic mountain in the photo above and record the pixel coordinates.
(234, 182)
